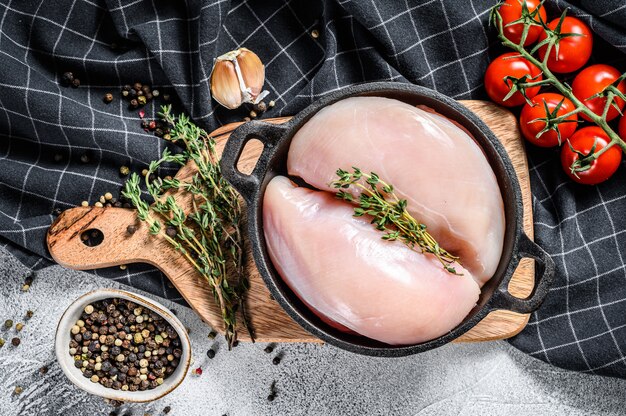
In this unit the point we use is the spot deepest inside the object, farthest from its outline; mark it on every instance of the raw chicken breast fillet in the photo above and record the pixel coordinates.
(341, 268)
(432, 162)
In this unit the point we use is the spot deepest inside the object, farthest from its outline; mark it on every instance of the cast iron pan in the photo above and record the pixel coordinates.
(277, 138)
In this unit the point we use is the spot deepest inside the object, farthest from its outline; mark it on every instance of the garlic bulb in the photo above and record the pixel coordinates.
(238, 77)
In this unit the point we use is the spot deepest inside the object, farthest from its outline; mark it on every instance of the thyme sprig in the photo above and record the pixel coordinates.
(553, 37)
(209, 235)
(389, 213)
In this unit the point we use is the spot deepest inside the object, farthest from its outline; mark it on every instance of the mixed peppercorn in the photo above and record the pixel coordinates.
(69, 80)
(139, 95)
(124, 346)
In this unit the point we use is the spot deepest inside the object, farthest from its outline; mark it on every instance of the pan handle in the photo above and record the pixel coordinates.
(269, 134)
(544, 275)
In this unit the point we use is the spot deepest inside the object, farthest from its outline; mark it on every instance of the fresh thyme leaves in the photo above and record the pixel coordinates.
(209, 235)
(389, 213)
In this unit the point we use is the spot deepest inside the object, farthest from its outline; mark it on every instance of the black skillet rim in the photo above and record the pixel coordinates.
(507, 180)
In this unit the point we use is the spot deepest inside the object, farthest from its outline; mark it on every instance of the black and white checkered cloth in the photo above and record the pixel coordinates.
(48, 131)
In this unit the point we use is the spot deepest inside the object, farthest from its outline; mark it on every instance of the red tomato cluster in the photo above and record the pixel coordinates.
(536, 118)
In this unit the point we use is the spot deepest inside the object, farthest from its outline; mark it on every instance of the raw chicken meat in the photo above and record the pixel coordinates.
(431, 162)
(341, 268)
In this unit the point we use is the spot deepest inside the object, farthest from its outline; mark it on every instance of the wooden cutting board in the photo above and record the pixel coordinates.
(269, 321)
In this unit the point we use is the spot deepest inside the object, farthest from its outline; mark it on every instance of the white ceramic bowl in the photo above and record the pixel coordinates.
(72, 314)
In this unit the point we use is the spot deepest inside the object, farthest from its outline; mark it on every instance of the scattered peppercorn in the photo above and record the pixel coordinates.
(124, 170)
(155, 93)
(212, 335)
(134, 103)
(29, 314)
(269, 349)
(98, 204)
(167, 409)
(18, 390)
(276, 360)
(273, 392)
(108, 97)
(19, 326)
(8, 324)
(25, 288)
(198, 371)
(137, 86)
(43, 370)
(271, 103)
(141, 100)
(253, 114)
(210, 353)
(123, 267)
(16, 341)
(67, 78)
(131, 229)
(84, 158)
(166, 97)
(75, 83)
(1, 342)
(171, 231)
(84, 204)
(260, 107)
(315, 34)
(58, 157)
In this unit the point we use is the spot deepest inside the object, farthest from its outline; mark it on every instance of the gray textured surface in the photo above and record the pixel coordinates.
(466, 379)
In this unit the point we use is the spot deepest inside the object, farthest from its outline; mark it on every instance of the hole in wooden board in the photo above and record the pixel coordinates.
(249, 156)
(92, 237)
(522, 288)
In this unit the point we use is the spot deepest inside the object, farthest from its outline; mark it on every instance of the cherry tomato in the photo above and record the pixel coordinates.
(549, 138)
(574, 51)
(621, 129)
(511, 10)
(592, 80)
(602, 168)
(510, 64)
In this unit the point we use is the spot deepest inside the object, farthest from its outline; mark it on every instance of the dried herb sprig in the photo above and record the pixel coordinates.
(389, 213)
(210, 236)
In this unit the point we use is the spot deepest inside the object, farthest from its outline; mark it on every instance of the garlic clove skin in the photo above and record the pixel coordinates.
(253, 71)
(225, 86)
(238, 77)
